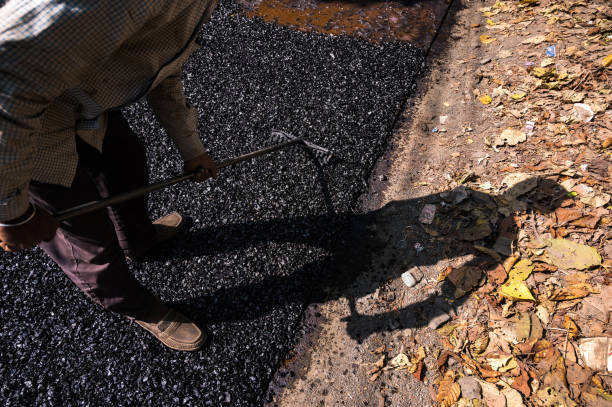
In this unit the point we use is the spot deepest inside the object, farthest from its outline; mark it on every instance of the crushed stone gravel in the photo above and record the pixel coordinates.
(259, 238)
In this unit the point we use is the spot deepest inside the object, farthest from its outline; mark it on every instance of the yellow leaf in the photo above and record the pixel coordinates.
(444, 273)
(567, 254)
(571, 327)
(521, 270)
(516, 290)
(518, 95)
(446, 330)
(490, 22)
(607, 61)
(419, 355)
(544, 73)
(487, 39)
(485, 99)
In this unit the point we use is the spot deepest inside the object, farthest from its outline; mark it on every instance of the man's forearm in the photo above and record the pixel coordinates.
(178, 119)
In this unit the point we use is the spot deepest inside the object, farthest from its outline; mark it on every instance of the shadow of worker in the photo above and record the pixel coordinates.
(472, 230)
(464, 217)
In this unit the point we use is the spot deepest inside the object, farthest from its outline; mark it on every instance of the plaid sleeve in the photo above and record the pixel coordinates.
(45, 48)
(178, 119)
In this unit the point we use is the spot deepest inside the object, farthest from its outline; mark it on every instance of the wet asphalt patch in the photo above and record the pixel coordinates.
(260, 236)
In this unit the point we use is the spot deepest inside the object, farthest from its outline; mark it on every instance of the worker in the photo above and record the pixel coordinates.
(67, 67)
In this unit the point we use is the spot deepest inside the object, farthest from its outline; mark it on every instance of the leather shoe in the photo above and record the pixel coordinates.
(176, 331)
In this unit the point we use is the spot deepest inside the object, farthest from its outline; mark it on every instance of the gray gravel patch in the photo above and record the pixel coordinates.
(260, 236)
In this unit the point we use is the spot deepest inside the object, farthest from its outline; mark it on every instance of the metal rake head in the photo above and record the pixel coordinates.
(322, 154)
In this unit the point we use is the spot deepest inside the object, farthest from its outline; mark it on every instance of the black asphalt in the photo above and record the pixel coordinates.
(260, 235)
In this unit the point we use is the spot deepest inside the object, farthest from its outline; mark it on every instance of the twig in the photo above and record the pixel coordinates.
(565, 347)
(557, 329)
(582, 80)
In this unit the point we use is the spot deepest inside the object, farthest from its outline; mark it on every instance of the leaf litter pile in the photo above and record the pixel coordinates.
(532, 321)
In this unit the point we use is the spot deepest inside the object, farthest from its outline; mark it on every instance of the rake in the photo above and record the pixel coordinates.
(281, 138)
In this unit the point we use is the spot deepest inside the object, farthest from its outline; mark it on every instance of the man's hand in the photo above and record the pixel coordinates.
(204, 166)
(40, 228)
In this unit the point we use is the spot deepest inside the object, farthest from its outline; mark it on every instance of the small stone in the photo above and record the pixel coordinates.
(412, 276)
(470, 388)
(438, 320)
(408, 279)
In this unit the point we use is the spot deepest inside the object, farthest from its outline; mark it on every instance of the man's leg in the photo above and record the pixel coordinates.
(87, 250)
(123, 169)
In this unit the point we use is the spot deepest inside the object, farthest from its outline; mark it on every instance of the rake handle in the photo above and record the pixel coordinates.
(117, 199)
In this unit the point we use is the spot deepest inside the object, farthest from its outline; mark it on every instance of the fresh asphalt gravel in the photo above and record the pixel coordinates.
(260, 235)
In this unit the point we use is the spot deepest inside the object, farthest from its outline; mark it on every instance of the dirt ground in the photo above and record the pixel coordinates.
(494, 133)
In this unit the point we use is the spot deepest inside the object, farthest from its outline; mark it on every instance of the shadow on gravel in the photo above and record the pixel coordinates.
(354, 248)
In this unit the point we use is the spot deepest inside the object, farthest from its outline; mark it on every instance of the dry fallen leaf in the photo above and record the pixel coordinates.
(596, 200)
(521, 383)
(565, 215)
(513, 397)
(449, 391)
(571, 292)
(487, 39)
(485, 99)
(518, 95)
(572, 329)
(567, 254)
(537, 39)
(401, 361)
(510, 137)
(502, 363)
(514, 288)
(543, 350)
(497, 275)
(510, 261)
(480, 344)
(491, 395)
(418, 372)
(444, 273)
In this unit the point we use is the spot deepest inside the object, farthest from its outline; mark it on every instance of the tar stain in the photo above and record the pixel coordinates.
(259, 238)
(376, 21)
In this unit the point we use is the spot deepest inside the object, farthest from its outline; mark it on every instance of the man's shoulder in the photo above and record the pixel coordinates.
(20, 19)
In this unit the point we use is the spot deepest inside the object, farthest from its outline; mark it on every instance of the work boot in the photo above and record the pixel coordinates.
(176, 331)
(166, 228)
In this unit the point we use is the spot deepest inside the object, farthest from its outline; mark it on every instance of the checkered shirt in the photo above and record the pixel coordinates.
(65, 63)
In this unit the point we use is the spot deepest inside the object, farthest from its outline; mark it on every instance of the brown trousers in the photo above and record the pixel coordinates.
(90, 248)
